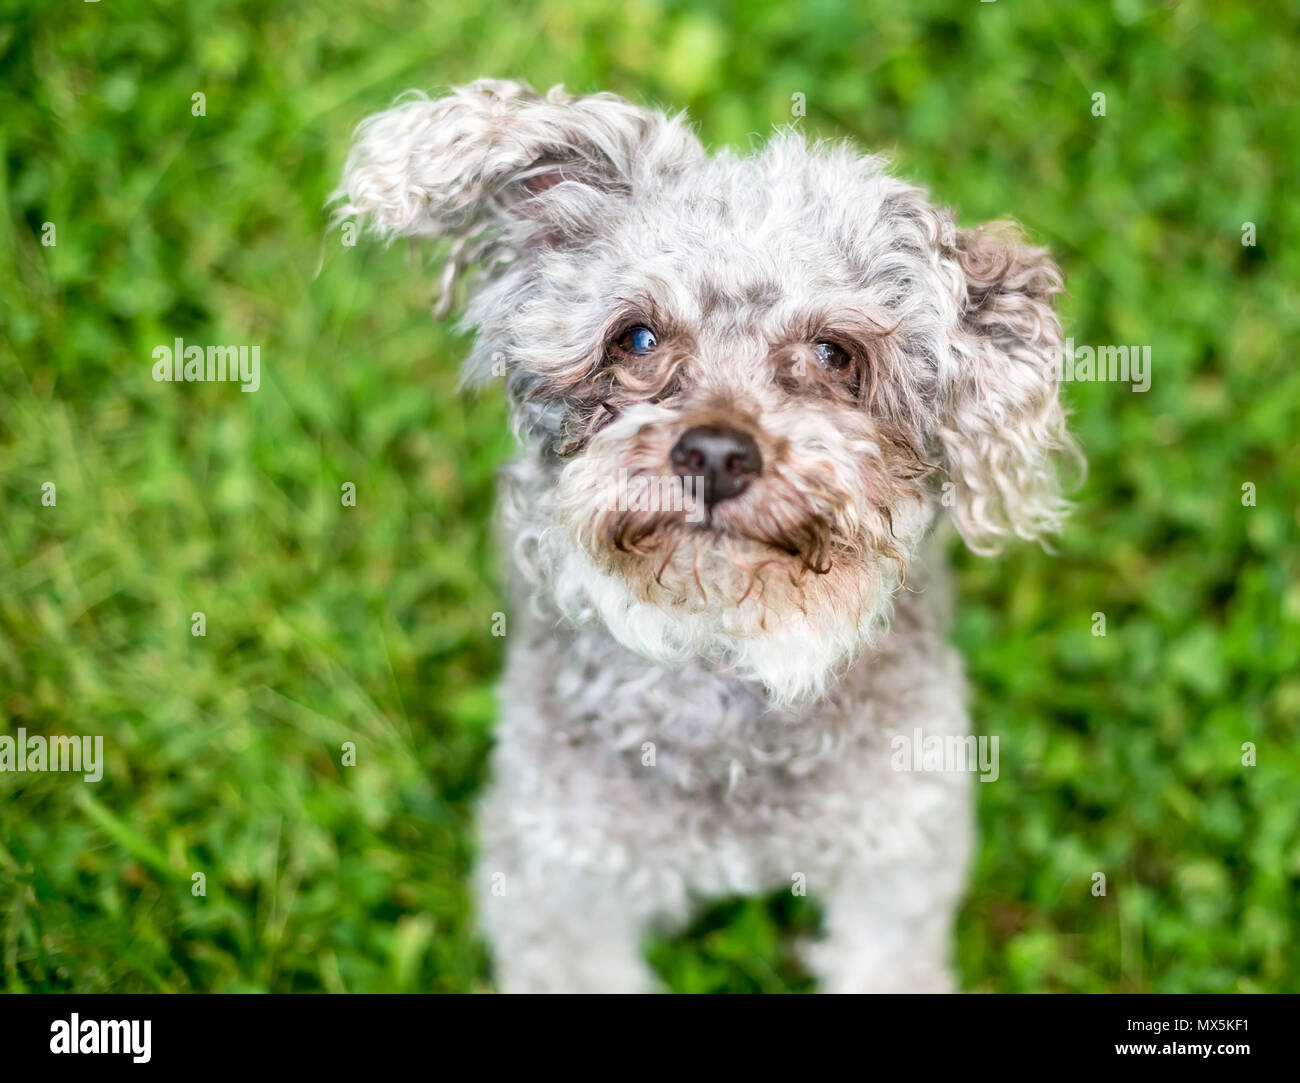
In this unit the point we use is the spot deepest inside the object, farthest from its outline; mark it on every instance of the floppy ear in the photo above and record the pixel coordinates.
(496, 167)
(1002, 427)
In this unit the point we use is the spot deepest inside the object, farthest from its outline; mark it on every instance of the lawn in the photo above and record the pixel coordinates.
(204, 219)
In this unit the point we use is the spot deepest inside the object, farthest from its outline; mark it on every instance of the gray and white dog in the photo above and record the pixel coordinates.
(703, 695)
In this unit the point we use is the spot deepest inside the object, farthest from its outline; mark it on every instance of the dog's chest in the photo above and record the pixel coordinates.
(598, 742)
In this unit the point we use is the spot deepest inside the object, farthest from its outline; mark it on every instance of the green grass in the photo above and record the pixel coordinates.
(371, 624)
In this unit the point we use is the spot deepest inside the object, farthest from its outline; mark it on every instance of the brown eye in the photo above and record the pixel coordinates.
(831, 357)
(639, 340)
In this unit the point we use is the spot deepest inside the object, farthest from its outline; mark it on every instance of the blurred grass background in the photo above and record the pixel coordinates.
(372, 624)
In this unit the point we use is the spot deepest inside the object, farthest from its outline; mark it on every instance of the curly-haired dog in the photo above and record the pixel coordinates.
(706, 683)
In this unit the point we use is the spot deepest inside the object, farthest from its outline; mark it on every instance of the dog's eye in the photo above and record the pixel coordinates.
(638, 340)
(831, 357)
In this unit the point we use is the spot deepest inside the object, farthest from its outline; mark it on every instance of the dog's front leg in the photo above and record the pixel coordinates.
(553, 928)
(888, 931)
(890, 904)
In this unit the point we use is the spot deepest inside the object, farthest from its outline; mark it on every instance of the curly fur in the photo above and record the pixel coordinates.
(696, 709)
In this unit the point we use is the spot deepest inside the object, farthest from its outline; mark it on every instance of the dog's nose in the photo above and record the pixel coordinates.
(727, 459)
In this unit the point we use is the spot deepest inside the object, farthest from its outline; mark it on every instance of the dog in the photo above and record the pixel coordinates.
(703, 696)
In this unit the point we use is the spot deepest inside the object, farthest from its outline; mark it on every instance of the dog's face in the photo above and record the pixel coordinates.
(757, 379)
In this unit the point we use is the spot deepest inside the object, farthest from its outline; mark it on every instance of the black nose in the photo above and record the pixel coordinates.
(727, 459)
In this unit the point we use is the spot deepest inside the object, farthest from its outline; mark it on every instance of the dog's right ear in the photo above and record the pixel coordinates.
(495, 157)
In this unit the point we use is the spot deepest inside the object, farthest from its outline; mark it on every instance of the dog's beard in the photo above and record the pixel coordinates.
(782, 584)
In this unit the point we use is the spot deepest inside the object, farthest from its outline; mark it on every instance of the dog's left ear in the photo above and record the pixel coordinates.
(1002, 427)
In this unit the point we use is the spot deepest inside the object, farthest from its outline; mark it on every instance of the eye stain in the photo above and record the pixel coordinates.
(796, 368)
(800, 361)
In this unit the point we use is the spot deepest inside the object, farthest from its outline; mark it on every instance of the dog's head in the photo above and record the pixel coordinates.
(758, 379)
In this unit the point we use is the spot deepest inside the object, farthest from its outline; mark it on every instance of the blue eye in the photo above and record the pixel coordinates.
(638, 340)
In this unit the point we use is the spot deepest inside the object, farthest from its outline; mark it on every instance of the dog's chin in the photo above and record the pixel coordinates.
(711, 566)
(758, 609)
